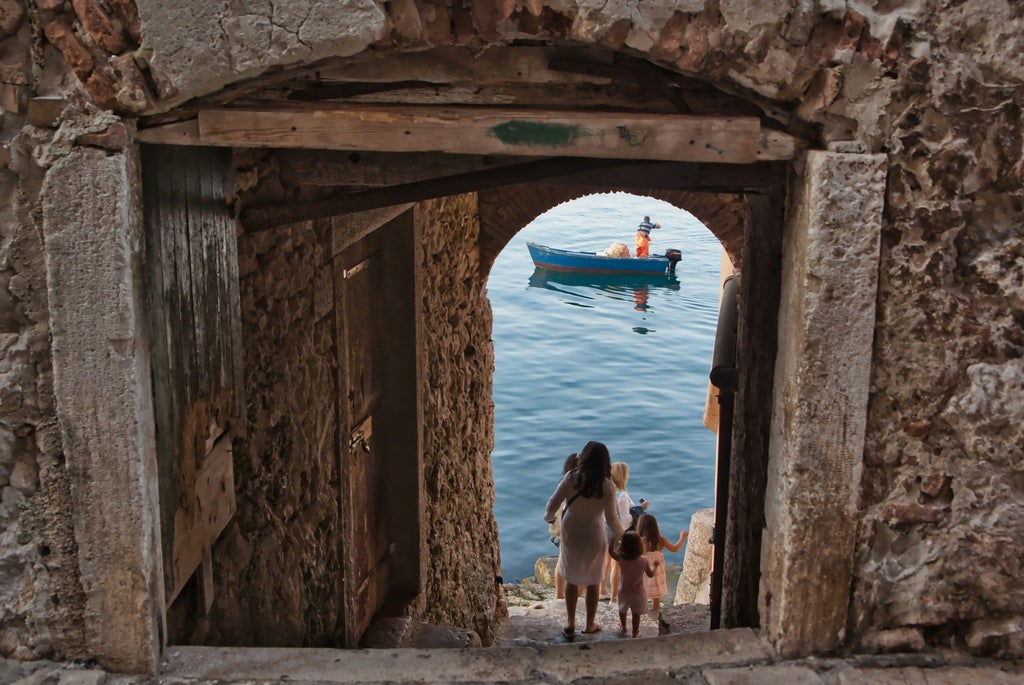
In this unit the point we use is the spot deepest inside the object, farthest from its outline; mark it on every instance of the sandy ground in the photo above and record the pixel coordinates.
(536, 617)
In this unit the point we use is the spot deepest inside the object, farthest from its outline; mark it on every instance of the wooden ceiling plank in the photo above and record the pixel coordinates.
(708, 178)
(261, 217)
(179, 133)
(460, 64)
(371, 168)
(609, 135)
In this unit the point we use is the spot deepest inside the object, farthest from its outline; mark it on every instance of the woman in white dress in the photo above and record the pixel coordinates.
(589, 496)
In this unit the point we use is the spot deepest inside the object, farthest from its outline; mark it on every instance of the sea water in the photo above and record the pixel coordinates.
(622, 361)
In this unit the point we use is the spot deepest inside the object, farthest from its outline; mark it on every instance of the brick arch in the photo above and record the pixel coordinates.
(505, 212)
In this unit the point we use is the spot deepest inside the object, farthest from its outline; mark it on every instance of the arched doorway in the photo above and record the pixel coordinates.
(619, 359)
(302, 204)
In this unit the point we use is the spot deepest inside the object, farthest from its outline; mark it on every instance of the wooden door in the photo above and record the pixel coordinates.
(359, 275)
(196, 337)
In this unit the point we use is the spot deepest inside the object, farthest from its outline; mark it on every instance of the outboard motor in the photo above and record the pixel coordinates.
(673, 256)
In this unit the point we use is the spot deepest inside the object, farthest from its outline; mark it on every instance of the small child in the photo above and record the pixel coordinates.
(654, 544)
(633, 566)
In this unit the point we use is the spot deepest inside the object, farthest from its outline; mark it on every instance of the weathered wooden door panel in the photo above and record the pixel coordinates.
(195, 324)
(359, 272)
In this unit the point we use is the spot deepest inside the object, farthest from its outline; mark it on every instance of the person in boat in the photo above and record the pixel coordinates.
(643, 237)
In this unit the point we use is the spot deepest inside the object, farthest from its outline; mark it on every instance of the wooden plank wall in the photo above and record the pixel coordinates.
(195, 316)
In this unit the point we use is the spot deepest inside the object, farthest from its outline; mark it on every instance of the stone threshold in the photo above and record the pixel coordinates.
(545, 663)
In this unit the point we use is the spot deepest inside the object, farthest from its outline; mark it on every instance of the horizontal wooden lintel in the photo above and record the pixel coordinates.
(485, 130)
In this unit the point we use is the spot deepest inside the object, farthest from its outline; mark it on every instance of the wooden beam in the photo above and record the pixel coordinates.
(260, 217)
(179, 133)
(703, 178)
(371, 168)
(776, 145)
(468, 130)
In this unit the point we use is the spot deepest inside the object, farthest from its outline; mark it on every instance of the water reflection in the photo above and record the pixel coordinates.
(631, 288)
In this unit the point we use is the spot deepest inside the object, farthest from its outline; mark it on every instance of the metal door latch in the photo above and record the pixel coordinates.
(360, 439)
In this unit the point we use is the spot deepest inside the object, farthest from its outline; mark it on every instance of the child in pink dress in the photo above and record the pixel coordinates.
(654, 546)
(633, 566)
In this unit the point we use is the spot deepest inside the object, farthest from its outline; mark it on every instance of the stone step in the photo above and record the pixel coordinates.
(548, 663)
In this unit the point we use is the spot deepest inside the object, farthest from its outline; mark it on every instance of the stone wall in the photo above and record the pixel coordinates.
(462, 535)
(935, 87)
(940, 551)
(41, 597)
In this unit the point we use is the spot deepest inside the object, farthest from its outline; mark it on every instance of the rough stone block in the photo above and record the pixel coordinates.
(670, 38)
(428, 636)
(12, 13)
(102, 88)
(898, 640)
(927, 676)
(190, 51)
(1002, 638)
(544, 570)
(701, 36)
(12, 68)
(114, 138)
(822, 91)
(819, 411)
(436, 22)
(763, 675)
(45, 111)
(406, 19)
(133, 93)
(128, 14)
(75, 54)
(82, 677)
(95, 299)
(905, 513)
(743, 16)
(96, 22)
(386, 632)
(697, 560)
(13, 98)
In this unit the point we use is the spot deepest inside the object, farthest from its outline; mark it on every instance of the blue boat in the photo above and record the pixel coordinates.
(597, 263)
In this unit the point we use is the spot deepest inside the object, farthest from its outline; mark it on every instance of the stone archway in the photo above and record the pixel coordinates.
(504, 212)
(675, 41)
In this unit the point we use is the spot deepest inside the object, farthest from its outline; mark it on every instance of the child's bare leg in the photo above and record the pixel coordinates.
(622, 621)
(636, 624)
(616, 577)
(656, 606)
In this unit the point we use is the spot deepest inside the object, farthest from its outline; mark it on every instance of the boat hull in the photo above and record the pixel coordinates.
(573, 261)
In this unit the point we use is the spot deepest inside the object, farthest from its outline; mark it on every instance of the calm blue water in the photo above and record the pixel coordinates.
(622, 363)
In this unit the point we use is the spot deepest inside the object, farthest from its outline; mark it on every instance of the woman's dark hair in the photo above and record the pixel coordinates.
(631, 546)
(570, 463)
(594, 467)
(647, 529)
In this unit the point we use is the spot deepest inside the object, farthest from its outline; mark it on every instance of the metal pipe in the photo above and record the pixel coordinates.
(724, 377)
